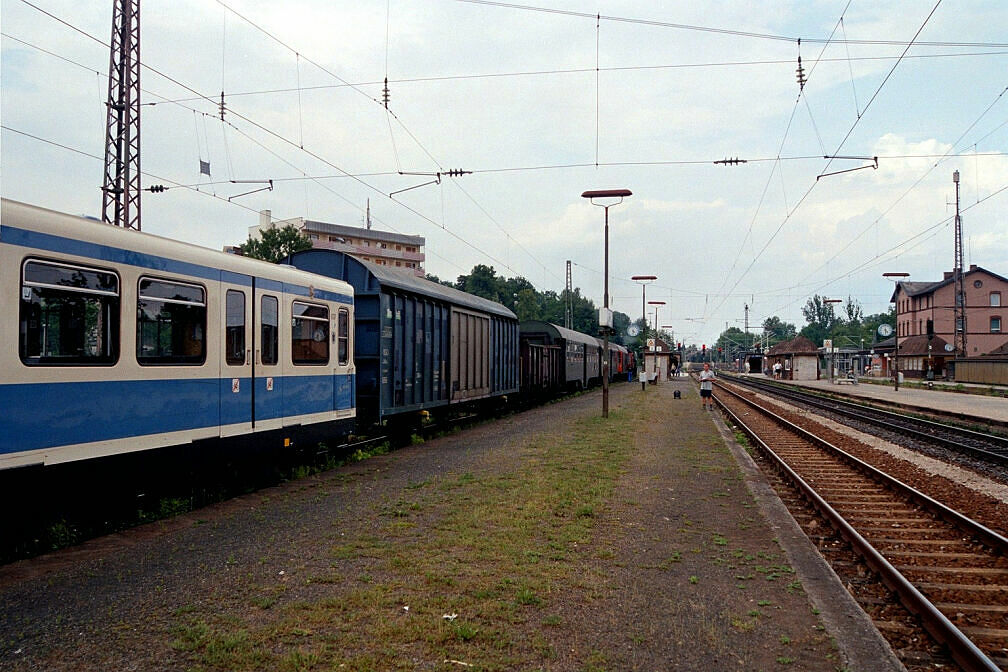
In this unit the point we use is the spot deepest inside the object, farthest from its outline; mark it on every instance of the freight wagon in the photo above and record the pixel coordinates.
(420, 345)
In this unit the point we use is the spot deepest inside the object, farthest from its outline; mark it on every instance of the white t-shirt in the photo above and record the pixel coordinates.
(705, 380)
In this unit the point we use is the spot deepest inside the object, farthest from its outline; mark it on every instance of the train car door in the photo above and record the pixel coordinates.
(236, 354)
(343, 368)
(267, 368)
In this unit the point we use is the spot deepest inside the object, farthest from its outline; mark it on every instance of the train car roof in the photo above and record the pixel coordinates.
(556, 331)
(89, 238)
(366, 276)
(612, 346)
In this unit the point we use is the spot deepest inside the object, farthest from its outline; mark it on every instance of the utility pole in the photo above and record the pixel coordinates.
(568, 301)
(748, 344)
(121, 186)
(959, 327)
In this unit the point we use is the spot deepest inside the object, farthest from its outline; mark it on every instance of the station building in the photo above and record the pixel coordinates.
(383, 248)
(985, 292)
(798, 357)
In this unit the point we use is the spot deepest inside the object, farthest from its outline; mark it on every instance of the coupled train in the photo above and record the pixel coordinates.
(129, 342)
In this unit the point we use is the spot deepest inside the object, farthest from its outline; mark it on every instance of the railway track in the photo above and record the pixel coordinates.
(984, 447)
(950, 573)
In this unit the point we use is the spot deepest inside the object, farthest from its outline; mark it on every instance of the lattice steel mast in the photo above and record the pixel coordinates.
(960, 290)
(121, 187)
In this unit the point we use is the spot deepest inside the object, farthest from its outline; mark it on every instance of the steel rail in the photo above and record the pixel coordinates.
(963, 650)
(898, 422)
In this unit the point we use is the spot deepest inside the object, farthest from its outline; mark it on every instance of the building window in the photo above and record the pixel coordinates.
(399, 247)
(996, 324)
(171, 322)
(995, 299)
(69, 314)
(398, 263)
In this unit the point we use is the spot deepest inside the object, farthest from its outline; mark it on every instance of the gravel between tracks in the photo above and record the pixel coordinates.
(681, 571)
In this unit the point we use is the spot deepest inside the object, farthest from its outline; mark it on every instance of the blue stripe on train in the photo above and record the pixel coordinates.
(45, 415)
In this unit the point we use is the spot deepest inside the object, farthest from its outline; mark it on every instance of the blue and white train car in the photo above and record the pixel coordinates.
(114, 341)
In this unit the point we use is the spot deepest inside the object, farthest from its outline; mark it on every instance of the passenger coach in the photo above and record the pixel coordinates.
(582, 354)
(125, 341)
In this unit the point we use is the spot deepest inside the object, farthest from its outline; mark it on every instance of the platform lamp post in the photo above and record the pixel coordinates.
(828, 302)
(603, 194)
(643, 280)
(657, 305)
(896, 277)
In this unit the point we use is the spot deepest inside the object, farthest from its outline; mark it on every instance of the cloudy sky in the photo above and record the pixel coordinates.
(538, 103)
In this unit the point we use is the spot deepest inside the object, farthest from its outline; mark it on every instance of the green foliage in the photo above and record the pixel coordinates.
(521, 296)
(778, 330)
(275, 243)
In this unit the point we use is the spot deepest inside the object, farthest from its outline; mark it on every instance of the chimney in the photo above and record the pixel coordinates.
(265, 217)
(973, 267)
(947, 275)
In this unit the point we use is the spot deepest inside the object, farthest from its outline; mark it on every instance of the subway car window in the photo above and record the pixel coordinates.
(270, 315)
(343, 336)
(68, 315)
(235, 335)
(309, 334)
(171, 322)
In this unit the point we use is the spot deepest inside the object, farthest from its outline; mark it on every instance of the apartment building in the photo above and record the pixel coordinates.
(383, 248)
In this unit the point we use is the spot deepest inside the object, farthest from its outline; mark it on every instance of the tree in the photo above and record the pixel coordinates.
(821, 319)
(778, 330)
(483, 281)
(275, 244)
(854, 312)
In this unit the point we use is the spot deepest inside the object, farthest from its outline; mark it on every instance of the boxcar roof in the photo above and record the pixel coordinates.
(341, 265)
(556, 331)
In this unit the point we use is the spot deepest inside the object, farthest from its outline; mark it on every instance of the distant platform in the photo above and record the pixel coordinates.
(983, 406)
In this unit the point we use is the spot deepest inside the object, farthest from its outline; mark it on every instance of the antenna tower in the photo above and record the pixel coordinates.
(121, 187)
(960, 291)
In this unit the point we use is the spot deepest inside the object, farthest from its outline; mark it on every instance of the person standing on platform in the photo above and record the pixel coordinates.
(707, 387)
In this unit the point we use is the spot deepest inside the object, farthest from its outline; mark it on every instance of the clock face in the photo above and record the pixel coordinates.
(884, 330)
(632, 330)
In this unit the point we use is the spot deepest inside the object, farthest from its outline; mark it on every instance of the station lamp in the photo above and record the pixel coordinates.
(606, 195)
